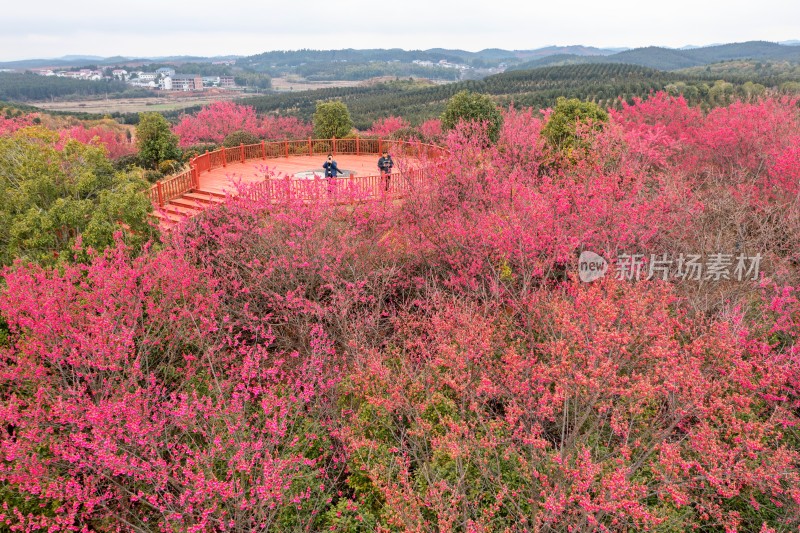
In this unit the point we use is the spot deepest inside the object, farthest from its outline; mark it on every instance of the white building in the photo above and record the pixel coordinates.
(187, 82)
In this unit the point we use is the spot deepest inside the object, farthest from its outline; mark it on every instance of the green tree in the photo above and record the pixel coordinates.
(561, 128)
(155, 140)
(790, 87)
(238, 137)
(752, 91)
(49, 196)
(473, 107)
(721, 93)
(332, 119)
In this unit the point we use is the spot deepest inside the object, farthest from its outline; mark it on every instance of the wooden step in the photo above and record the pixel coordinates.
(212, 191)
(180, 209)
(163, 222)
(197, 204)
(204, 197)
(173, 217)
(189, 203)
(216, 191)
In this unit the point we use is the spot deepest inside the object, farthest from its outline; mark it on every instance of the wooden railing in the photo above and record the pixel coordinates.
(347, 188)
(172, 187)
(178, 184)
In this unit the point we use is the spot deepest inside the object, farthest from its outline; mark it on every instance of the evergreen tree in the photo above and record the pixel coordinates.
(473, 107)
(155, 140)
(560, 130)
(332, 119)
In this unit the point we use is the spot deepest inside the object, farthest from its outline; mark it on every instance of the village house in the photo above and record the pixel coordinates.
(187, 82)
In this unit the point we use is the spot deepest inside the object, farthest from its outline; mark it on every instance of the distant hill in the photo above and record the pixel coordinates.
(671, 59)
(659, 58)
(560, 60)
(491, 55)
(497, 53)
(774, 71)
(748, 50)
(81, 58)
(666, 59)
(569, 50)
(350, 63)
(81, 61)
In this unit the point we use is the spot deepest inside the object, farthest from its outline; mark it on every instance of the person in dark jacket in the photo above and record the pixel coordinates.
(331, 170)
(385, 165)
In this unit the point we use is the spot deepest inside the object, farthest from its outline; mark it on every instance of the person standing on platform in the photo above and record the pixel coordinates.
(331, 170)
(385, 165)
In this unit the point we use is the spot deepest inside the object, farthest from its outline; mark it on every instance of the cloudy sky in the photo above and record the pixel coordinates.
(53, 28)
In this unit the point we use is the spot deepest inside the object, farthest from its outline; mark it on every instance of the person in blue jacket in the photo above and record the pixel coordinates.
(331, 170)
(385, 165)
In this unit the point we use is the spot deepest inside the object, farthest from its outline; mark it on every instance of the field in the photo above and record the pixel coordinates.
(294, 83)
(167, 102)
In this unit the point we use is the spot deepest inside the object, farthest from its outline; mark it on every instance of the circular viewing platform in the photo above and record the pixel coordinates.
(294, 168)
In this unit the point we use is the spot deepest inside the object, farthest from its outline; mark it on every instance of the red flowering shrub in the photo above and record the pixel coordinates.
(384, 127)
(214, 122)
(12, 124)
(594, 407)
(274, 128)
(138, 403)
(431, 128)
(115, 142)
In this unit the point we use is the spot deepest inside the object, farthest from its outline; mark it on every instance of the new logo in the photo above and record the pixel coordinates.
(591, 266)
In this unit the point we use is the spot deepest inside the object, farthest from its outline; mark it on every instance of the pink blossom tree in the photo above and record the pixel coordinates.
(115, 142)
(384, 127)
(214, 122)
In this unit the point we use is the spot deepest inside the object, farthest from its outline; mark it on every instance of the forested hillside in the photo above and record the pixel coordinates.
(603, 83)
(29, 87)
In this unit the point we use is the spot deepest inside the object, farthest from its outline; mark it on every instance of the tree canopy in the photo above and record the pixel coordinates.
(52, 192)
(561, 127)
(473, 107)
(332, 119)
(155, 140)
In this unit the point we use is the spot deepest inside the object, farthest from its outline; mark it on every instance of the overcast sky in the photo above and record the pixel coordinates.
(53, 28)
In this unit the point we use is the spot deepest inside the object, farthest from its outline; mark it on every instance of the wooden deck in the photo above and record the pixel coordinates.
(216, 183)
(220, 179)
